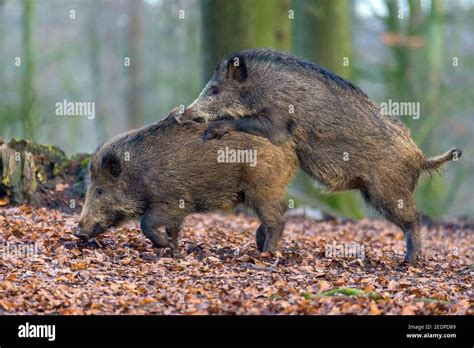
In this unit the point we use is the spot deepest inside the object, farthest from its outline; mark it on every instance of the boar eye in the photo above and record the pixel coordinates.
(214, 90)
(99, 191)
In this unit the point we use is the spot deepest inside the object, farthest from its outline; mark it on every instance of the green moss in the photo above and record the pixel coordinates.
(41, 175)
(276, 297)
(55, 150)
(431, 300)
(52, 152)
(5, 181)
(375, 296)
(82, 158)
(342, 291)
(350, 292)
(57, 169)
(85, 163)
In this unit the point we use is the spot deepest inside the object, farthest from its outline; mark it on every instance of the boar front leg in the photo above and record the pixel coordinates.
(262, 233)
(218, 129)
(268, 239)
(153, 219)
(260, 125)
(274, 232)
(269, 233)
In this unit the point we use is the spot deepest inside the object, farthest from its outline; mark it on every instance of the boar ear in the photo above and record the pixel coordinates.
(237, 68)
(111, 164)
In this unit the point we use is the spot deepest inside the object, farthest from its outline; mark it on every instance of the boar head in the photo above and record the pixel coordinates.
(110, 198)
(230, 93)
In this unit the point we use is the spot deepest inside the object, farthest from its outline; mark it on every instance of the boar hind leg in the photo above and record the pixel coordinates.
(152, 220)
(400, 209)
(412, 236)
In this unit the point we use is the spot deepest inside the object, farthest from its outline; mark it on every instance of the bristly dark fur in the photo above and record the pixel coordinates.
(341, 137)
(135, 137)
(171, 172)
(282, 60)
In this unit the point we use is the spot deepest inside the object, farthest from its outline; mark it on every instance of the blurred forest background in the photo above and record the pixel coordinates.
(78, 50)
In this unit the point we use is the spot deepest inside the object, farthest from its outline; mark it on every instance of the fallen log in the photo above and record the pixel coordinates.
(27, 169)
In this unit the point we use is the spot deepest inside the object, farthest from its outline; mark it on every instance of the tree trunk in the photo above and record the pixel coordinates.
(230, 26)
(134, 85)
(272, 24)
(28, 70)
(2, 54)
(321, 33)
(95, 67)
(227, 27)
(434, 53)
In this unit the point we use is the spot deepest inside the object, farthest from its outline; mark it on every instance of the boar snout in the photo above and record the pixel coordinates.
(80, 234)
(190, 115)
(85, 235)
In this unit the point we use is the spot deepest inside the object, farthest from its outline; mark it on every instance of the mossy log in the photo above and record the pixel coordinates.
(27, 168)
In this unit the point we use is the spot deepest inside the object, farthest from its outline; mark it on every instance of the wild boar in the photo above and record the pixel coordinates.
(163, 172)
(342, 138)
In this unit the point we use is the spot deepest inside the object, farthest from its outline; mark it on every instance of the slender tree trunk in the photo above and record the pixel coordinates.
(28, 70)
(230, 26)
(322, 33)
(272, 24)
(434, 52)
(2, 55)
(95, 67)
(405, 84)
(135, 104)
(227, 27)
(416, 17)
(393, 26)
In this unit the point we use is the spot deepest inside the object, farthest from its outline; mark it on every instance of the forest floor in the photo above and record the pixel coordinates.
(45, 270)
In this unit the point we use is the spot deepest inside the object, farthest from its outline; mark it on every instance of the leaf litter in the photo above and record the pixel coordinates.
(45, 270)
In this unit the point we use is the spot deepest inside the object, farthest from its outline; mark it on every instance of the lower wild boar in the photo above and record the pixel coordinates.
(162, 172)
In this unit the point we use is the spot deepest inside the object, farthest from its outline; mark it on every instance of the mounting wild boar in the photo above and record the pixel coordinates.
(342, 139)
(164, 171)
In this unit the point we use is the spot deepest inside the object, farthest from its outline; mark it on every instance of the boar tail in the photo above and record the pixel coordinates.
(434, 163)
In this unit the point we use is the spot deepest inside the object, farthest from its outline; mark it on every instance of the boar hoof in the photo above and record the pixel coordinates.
(211, 133)
(269, 247)
(218, 129)
(176, 254)
(412, 257)
(260, 237)
(160, 241)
